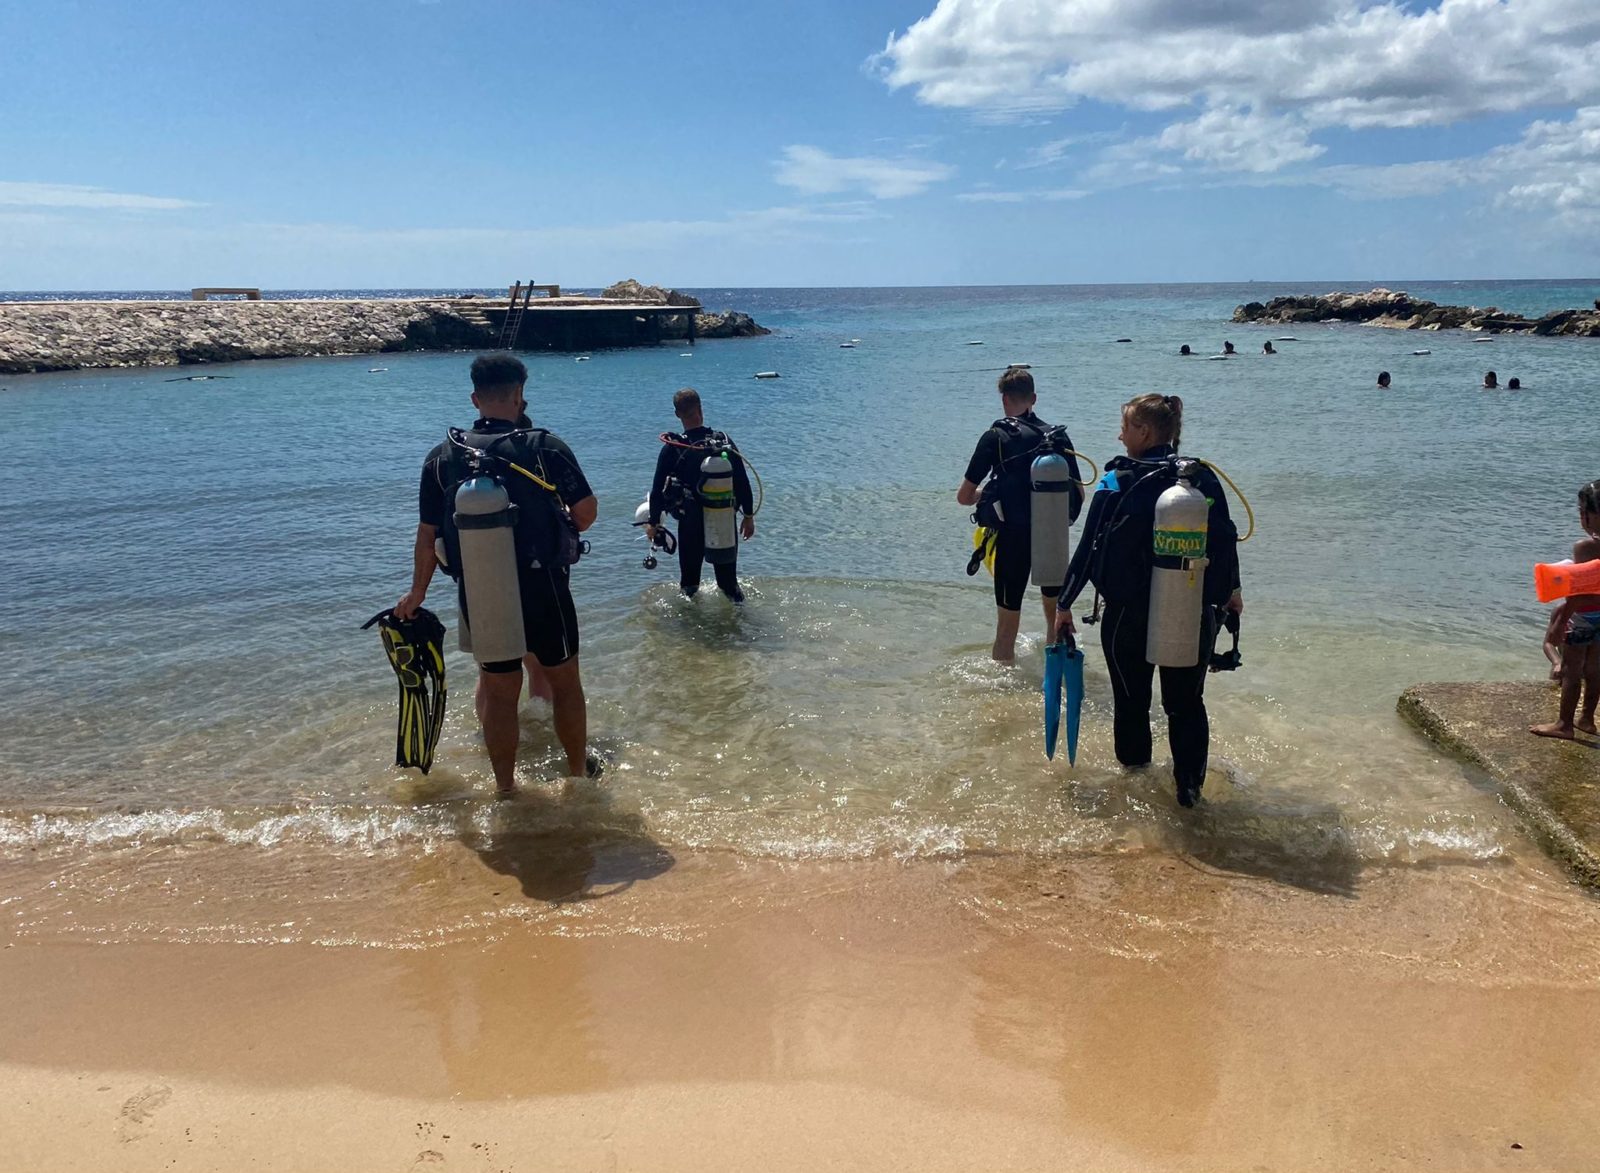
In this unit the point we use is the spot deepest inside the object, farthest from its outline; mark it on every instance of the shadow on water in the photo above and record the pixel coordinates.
(1289, 841)
(1279, 836)
(566, 846)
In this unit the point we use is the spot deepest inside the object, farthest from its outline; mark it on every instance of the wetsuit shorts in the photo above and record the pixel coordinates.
(549, 620)
(1013, 563)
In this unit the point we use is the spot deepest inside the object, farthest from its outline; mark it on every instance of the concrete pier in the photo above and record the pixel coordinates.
(1554, 785)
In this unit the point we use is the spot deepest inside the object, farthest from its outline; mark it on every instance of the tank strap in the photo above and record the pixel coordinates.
(503, 520)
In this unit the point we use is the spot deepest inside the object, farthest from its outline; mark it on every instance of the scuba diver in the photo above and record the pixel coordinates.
(700, 478)
(501, 509)
(1159, 547)
(1005, 455)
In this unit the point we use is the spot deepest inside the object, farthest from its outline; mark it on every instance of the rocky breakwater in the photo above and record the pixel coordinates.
(67, 335)
(718, 324)
(1401, 311)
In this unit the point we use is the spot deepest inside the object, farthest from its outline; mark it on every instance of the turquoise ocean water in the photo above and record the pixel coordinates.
(189, 563)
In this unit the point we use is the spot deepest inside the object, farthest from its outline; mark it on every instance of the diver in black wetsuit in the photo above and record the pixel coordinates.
(1116, 555)
(675, 491)
(1004, 457)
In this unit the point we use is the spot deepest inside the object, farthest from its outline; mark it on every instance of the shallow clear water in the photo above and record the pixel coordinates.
(189, 564)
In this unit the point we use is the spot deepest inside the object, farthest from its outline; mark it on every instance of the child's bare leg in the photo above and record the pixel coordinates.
(1571, 685)
(1591, 688)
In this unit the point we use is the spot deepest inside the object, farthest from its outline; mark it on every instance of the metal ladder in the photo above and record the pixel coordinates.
(515, 308)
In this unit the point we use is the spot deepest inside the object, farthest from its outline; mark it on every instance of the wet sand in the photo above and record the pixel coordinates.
(1109, 1012)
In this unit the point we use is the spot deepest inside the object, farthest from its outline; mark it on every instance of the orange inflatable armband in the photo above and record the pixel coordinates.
(1560, 580)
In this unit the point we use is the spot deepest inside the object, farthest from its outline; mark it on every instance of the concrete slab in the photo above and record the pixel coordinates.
(1554, 785)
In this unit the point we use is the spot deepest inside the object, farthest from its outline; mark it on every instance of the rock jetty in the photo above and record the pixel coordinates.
(69, 335)
(1400, 311)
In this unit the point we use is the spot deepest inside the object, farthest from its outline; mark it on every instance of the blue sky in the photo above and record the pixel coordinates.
(441, 142)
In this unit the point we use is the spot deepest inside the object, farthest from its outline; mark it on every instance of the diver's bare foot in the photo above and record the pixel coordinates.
(1586, 727)
(1554, 729)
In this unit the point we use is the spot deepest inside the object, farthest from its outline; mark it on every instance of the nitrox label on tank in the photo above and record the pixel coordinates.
(1180, 543)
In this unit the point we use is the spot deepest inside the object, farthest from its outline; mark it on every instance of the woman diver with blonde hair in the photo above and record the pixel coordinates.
(1118, 554)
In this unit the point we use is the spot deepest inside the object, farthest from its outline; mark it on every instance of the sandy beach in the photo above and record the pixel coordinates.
(1135, 1012)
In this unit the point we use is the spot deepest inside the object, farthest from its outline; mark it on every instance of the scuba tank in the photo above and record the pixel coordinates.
(486, 520)
(1050, 503)
(1177, 582)
(717, 507)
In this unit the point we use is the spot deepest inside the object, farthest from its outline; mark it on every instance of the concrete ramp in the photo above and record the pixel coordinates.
(1554, 785)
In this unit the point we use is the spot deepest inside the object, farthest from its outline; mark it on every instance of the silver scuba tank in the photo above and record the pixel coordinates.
(485, 521)
(1177, 583)
(1050, 504)
(717, 507)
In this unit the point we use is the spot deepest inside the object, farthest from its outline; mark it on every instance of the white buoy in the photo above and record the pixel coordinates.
(976, 342)
(847, 346)
(687, 354)
(376, 370)
(1019, 366)
(1483, 339)
(768, 375)
(1422, 352)
(1288, 338)
(581, 358)
(1217, 357)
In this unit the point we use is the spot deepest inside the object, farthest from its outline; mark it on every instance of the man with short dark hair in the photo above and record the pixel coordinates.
(550, 621)
(1005, 453)
(675, 490)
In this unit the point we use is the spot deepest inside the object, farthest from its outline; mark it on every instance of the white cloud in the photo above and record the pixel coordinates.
(1240, 140)
(815, 172)
(72, 195)
(1354, 63)
(1017, 197)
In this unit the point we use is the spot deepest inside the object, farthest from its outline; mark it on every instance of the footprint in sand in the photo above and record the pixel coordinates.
(138, 1110)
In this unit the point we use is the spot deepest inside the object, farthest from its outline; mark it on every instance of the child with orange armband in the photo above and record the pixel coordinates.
(1575, 628)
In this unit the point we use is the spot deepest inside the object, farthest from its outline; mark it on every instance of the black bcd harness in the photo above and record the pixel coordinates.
(545, 534)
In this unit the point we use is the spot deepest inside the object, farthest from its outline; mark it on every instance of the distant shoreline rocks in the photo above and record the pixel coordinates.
(717, 324)
(1398, 310)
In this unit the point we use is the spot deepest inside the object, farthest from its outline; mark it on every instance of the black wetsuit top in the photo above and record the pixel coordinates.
(1116, 549)
(1007, 451)
(683, 465)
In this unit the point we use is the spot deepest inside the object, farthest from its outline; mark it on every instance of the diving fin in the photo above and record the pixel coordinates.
(1063, 684)
(415, 648)
(1054, 662)
(1072, 677)
(983, 549)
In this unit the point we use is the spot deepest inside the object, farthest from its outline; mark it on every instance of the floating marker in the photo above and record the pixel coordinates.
(976, 342)
(1288, 338)
(581, 358)
(376, 370)
(768, 375)
(687, 354)
(1422, 352)
(847, 346)
(1019, 366)
(1124, 339)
